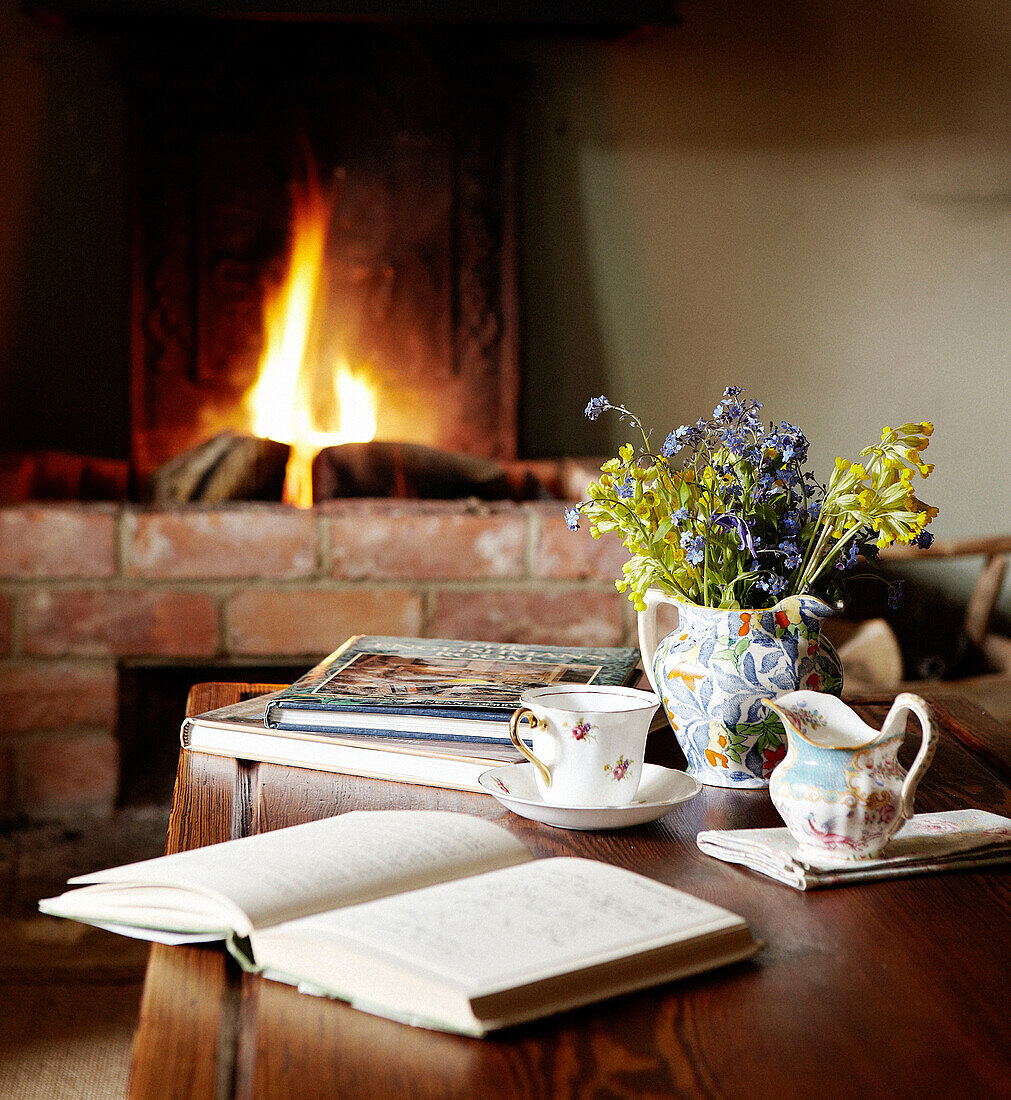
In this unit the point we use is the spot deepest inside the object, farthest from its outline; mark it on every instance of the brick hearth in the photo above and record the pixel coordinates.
(85, 587)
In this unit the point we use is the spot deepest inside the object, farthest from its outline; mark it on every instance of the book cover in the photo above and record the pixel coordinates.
(439, 678)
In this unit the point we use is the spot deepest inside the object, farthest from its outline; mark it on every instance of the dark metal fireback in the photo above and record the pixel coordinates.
(413, 129)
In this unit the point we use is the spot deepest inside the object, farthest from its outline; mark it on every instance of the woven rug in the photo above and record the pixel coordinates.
(67, 1041)
(69, 1000)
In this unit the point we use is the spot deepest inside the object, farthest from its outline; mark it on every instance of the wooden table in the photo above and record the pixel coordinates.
(897, 988)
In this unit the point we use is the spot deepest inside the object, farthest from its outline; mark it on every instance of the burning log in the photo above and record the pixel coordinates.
(231, 466)
(406, 470)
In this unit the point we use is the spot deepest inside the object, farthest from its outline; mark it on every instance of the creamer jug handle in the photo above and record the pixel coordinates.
(649, 636)
(928, 744)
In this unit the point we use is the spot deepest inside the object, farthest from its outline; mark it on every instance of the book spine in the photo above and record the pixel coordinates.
(457, 783)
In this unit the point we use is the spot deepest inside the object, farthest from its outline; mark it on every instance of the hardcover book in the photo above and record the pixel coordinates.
(437, 919)
(414, 685)
(237, 731)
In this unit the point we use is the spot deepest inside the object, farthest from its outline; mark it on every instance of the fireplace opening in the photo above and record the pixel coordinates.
(152, 704)
(323, 235)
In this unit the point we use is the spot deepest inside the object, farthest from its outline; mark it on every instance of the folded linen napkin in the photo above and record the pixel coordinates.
(928, 842)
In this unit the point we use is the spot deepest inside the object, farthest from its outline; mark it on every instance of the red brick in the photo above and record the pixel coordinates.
(577, 473)
(57, 541)
(314, 622)
(6, 624)
(419, 546)
(576, 555)
(80, 772)
(234, 541)
(119, 623)
(547, 618)
(53, 695)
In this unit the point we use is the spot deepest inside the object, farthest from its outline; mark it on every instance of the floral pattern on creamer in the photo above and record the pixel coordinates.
(846, 803)
(501, 786)
(713, 671)
(619, 770)
(807, 718)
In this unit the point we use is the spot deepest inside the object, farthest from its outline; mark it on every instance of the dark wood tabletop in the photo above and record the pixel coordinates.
(895, 988)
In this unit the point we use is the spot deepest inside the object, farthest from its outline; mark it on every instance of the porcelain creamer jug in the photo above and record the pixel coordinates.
(714, 669)
(840, 789)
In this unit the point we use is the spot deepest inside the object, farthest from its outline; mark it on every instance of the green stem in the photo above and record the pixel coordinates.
(813, 553)
(833, 554)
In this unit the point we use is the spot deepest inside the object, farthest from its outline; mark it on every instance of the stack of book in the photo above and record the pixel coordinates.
(418, 710)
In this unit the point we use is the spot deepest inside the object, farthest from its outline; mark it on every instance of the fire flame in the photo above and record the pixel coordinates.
(294, 399)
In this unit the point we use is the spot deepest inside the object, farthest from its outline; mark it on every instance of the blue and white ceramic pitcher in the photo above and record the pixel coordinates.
(715, 668)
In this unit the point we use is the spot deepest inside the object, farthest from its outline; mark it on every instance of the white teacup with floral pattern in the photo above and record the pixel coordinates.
(588, 741)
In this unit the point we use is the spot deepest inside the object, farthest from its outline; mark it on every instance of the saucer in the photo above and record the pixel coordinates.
(659, 789)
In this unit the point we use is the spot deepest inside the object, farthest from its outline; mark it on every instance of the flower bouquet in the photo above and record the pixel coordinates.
(725, 522)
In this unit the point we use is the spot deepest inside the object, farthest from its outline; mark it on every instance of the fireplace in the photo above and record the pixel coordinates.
(384, 156)
(109, 604)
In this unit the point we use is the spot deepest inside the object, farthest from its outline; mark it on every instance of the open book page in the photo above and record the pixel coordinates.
(507, 928)
(271, 877)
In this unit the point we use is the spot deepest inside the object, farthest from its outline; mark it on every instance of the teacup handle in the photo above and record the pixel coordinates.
(514, 734)
(928, 743)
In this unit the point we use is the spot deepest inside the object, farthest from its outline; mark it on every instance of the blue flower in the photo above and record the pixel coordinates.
(626, 489)
(792, 557)
(793, 442)
(849, 558)
(596, 406)
(894, 594)
(572, 519)
(766, 487)
(695, 545)
(923, 540)
(733, 391)
(679, 517)
(729, 522)
(733, 441)
(685, 436)
(771, 584)
(791, 522)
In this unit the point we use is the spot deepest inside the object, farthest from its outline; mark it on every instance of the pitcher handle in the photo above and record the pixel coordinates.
(928, 743)
(649, 636)
(514, 735)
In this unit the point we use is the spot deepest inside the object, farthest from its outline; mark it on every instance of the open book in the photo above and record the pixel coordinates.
(438, 919)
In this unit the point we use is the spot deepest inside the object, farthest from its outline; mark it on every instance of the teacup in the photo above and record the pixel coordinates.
(588, 741)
